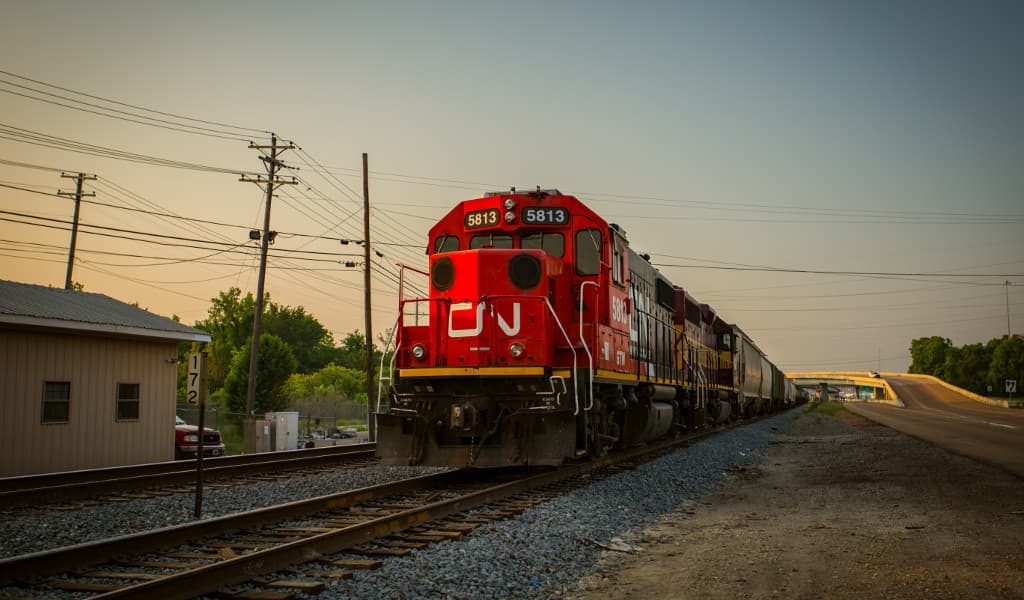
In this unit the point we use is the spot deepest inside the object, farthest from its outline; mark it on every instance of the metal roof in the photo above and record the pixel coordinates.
(53, 308)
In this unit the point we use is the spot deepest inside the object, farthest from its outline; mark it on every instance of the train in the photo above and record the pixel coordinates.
(541, 337)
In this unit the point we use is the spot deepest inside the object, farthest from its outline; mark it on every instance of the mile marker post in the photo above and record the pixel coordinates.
(197, 396)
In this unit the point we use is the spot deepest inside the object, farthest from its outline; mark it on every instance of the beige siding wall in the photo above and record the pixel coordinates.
(92, 437)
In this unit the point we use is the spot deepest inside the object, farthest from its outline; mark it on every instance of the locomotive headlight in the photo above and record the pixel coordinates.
(418, 351)
(517, 350)
(509, 204)
(510, 216)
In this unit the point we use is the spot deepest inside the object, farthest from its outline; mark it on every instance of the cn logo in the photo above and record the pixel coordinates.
(478, 322)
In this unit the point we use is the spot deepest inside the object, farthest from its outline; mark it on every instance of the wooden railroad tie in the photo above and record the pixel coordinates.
(124, 575)
(156, 564)
(330, 574)
(79, 586)
(307, 587)
(261, 596)
(356, 564)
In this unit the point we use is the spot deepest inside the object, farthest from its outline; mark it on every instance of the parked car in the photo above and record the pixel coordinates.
(348, 432)
(186, 440)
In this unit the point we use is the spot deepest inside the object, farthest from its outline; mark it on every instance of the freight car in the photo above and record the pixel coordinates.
(544, 337)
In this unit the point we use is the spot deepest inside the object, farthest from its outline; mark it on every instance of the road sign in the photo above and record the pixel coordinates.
(1011, 386)
(196, 364)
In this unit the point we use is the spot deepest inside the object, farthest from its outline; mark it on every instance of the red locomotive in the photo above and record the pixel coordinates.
(545, 338)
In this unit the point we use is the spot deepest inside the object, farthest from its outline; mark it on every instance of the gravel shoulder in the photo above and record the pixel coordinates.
(838, 507)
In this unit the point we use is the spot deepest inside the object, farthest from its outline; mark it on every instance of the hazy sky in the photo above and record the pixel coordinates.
(867, 137)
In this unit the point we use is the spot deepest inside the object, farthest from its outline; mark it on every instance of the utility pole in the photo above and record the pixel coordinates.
(371, 421)
(1006, 284)
(79, 177)
(271, 182)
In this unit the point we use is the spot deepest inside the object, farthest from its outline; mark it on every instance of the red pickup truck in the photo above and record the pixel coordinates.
(186, 440)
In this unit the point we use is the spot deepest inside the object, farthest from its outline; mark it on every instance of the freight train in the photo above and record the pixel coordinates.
(543, 337)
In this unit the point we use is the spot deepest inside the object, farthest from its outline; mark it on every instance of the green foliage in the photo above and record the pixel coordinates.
(967, 367)
(333, 380)
(928, 355)
(311, 343)
(973, 367)
(276, 364)
(824, 408)
(1007, 363)
(229, 324)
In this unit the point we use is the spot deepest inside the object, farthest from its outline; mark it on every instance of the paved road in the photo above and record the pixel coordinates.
(947, 419)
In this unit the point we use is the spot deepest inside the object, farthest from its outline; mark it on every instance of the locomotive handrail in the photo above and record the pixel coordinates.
(590, 357)
(575, 397)
(391, 365)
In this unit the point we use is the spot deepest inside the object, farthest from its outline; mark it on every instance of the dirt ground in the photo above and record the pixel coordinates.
(839, 507)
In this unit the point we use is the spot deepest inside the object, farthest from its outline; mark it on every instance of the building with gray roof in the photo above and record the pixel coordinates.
(85, 380)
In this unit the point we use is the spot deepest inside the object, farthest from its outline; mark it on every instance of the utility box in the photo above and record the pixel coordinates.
(284, 434)
(262, 435)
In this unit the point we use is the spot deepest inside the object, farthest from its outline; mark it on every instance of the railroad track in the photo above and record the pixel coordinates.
(328, 536)
(140, 481)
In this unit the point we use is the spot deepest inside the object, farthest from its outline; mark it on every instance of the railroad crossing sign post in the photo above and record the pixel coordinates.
(196, 395)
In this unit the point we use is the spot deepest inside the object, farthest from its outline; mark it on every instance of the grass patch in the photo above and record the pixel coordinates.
(824, 408)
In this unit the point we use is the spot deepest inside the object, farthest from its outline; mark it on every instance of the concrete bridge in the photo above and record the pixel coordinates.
(866, 386)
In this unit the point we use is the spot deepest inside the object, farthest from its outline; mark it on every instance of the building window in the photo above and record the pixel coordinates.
(56, 401)
(127, 402)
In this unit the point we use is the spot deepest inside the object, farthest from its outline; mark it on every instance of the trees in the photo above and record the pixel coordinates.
(1007, 363)
(345, 383)
(311, 343)
(229, 323)
(973, 367)
(276, 364)
(928, 355)
(967, 367)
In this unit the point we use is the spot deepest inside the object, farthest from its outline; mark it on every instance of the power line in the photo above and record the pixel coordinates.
(15, 163)
(18, 134)
(196, 131)
(858, 273)
(119, 103)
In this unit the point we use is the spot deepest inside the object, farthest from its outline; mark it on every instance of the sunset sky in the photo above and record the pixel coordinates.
(879, 142)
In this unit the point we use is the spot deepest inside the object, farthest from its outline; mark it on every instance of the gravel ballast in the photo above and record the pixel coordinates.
(544, 551)
(48, 528)
(541, 553)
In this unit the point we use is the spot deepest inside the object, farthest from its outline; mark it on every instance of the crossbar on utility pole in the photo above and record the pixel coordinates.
(77, 196)
(271, 182)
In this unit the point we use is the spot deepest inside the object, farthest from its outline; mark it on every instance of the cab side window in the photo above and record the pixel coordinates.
(588, 251)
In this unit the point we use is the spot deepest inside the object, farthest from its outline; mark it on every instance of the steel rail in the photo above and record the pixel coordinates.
(213, 577)
(90, 553)
(78, 484)
(246, 567)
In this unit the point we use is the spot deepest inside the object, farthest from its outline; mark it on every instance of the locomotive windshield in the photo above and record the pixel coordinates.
(552, 243)
(490, 240)
(446, 243)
